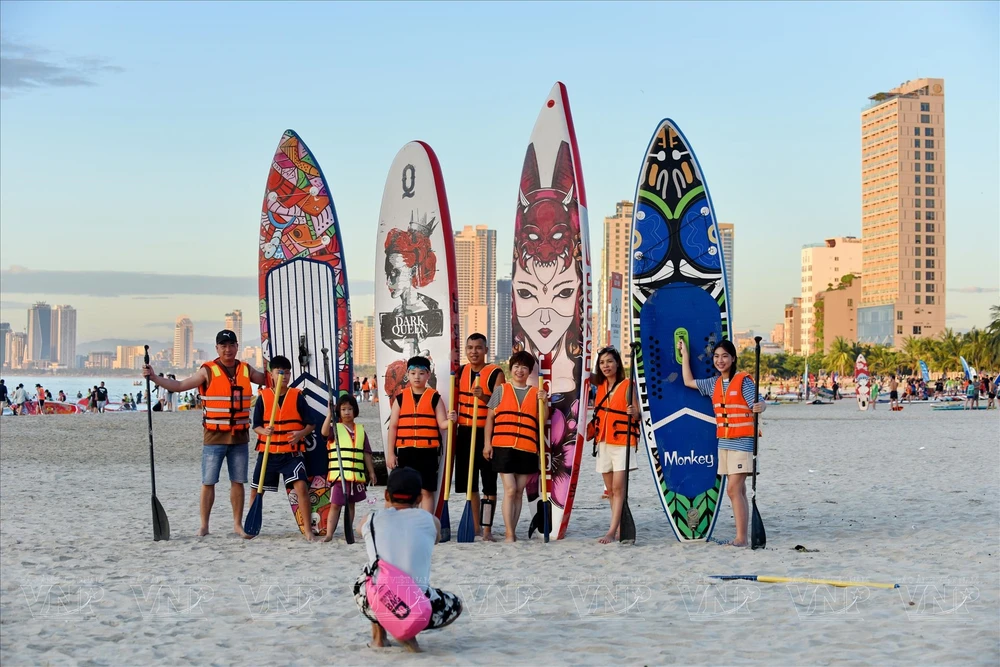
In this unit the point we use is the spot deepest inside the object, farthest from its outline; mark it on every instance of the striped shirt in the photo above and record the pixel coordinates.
(707, 388)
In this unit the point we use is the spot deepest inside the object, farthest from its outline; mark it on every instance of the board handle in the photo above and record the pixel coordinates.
(681, 333)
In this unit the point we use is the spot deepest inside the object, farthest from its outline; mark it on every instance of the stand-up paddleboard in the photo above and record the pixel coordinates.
(861, 380)
(303, 297)
(678, 291)
(551, 291)
(965, 368)
(416, 297)
(53, 408)
(925, 372)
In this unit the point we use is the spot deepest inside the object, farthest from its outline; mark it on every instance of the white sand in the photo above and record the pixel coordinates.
(907, 497)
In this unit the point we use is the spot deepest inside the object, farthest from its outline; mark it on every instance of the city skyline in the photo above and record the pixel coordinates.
(810, 131)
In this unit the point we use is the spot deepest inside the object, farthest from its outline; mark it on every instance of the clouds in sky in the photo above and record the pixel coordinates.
(974, 290)
(24, 68)
(138, 285)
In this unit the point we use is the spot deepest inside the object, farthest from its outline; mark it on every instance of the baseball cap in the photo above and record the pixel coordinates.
(403, 485)
(225, 336)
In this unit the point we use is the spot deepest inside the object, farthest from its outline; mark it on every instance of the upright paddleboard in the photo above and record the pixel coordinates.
(925, 372)
(861, 381)
(678, 291)
(416, 295)
(965, 368)
(303, 297)
(551, 291)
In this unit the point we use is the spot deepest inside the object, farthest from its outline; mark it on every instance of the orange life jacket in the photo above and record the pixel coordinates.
(733, 416)
(612, 418)
(286, 423)
(226, 401)
(516, 424)
(352, 451)
(466, 398)
(418, 424)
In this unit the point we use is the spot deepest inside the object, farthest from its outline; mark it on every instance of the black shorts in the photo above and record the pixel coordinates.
(424, 460)
(515, 461)
(481, 469)
(290, 466)
(893, 395)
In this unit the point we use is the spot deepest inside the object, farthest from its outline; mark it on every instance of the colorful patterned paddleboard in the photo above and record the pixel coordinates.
(861, 380)
(303, 297)
(551, 290)
(678, 290)
(416, 298)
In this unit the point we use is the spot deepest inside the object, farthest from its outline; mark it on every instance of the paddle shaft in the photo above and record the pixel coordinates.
(149, 419)
(794, 580)
(543, 463)
(756, 415)
(451, 439)
(472, 441)
(626, 525)
(267, 441)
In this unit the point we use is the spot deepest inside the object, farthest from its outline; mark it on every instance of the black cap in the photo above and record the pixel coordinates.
(404, 485)
(225, 336)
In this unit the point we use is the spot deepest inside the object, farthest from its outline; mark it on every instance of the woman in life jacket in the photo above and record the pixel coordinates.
(616, 411)
(732, 396)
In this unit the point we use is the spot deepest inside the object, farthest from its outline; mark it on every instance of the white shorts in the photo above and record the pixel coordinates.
(611, 458)
(733, 462)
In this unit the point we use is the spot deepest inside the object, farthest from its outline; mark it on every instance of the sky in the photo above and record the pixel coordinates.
(135, 138)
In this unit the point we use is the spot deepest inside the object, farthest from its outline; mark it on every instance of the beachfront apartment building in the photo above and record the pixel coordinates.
(615, 258)
(792, 329)
(727, 239)
(39, 352)
(234, 322)
(823, 265)
(183, 343)
(903, 214)
(63, 346)
(476, 263)
(363, 345)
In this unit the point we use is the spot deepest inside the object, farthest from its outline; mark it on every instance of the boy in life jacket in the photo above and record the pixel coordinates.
(512, 437)
(404, 535)
(613, 418)
(357, 455)
(417, 427)
(733, 397)
(476, 383)
(287, 438)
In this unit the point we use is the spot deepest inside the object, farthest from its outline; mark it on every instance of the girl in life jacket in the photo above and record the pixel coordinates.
(356, 452)
(732, 396)
(616, 427)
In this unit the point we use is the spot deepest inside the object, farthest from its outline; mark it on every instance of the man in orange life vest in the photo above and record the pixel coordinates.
(288, 436)
(477, 381)
(733, 397)
(417, 427)
(226, 391)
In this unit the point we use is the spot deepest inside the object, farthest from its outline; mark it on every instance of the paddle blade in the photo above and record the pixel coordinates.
(348, 527)
(251, 526)
(546, 520)
(445, 524)
(466, 529)
(626, 529)
(758, 538)
(161, 526)
(536, 520)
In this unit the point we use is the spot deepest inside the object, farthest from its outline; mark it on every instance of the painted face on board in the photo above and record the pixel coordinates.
(398, 276)
(545, 308)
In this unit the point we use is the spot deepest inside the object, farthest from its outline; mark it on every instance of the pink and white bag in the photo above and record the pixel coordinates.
(399, 604)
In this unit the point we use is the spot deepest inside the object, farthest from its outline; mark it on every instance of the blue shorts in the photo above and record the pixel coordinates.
(290, 466)
(211, 463)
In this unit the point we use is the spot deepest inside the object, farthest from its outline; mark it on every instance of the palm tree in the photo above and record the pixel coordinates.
(976, 350)
(993, 335)
(948, 349)
(841, 356)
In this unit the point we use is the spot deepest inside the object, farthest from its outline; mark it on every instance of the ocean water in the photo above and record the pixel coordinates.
(117, 386)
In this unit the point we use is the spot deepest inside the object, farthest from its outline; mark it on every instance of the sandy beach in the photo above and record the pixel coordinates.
(909, 498)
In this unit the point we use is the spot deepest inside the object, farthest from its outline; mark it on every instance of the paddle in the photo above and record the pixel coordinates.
(161, 526)
(626, 527)
(758, 539)
(544, 466)
(445, 517)
(348, 528)
(251, 525)
(466, 527)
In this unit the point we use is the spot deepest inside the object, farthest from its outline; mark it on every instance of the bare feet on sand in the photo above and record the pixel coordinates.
(609, 538)
(238, 529)
(488, 535)
(510, 537)
(735, 543)
(203, 531)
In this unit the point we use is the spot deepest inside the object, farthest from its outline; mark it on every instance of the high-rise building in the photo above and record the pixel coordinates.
(903, 214)
(16, 349)
(778, 334)
(64, 336)
(823, 265)
(39, 333)
(792, 328)
(101, 360)
(234, 322)
(503, 344)
(4, 330)
(183, 343)
(364, 341)
(476, 261)
(129, 357)
(727, 239)
(614, 259)
(253, 355)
